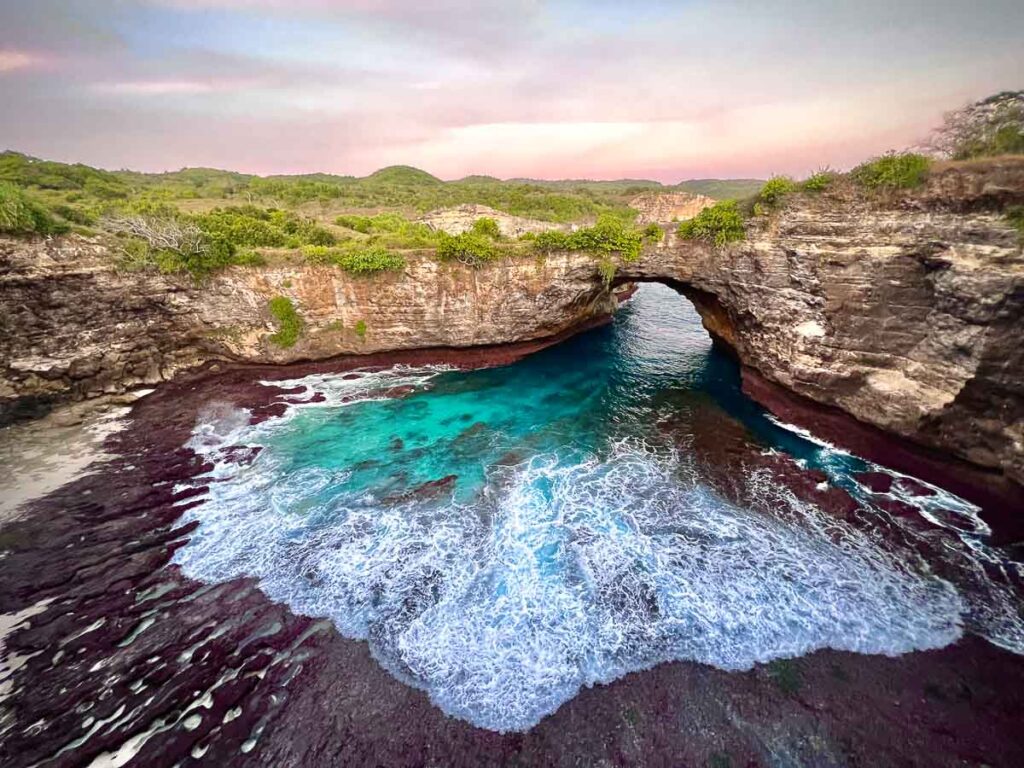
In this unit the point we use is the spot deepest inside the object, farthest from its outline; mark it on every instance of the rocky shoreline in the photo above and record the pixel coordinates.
(127, 656)
(905, 311)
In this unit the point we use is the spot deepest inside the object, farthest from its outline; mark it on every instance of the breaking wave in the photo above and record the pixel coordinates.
(565, 563)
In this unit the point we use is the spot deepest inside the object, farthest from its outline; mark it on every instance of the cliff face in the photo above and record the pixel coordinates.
(906, 312)
(661, 208)
(74, 327)
(461, 219)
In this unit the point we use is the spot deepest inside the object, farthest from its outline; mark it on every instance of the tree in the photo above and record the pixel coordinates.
(992, 126)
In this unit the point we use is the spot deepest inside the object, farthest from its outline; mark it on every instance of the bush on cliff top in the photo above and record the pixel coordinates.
(775, 190)
(289, 323)
(609, 235)
(254, 227)
(469, 248)
(720, 224)
(895, 170)
(390, 230)
(357, 261)
(21, 215)
(819, 180)
(487, 227)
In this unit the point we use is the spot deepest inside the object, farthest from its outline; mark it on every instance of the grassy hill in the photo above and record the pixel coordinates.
(722, 189)
(80, 194)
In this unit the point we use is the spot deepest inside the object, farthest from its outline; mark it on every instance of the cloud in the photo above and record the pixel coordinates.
(515, 88)
(13, 60)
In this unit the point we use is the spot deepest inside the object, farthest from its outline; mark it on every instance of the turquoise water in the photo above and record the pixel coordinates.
(503, 537)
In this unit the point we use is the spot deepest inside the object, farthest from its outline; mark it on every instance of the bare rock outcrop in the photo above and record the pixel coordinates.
(74, 327)
(461, 218)
(665, 207)
(905, 311)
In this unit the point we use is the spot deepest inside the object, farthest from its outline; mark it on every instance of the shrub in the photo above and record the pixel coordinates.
(218, 253)
(893, 171)
(654, 233)
(819, 180)
(249, 259)
(360, 329)
(356, 223)
(609, 235)
(317, 254)
(174, 244)
(487, 227)
(391, 230)
(468, 248)
(75, 215)
(21, 215)
(367, 261)
(553, 240)
(289, 323)
(775, 190)
(250, 226)
(720, 224)
(607, 268)
(136, 255)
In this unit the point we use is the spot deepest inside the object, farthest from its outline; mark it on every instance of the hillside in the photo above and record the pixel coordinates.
(80, 193)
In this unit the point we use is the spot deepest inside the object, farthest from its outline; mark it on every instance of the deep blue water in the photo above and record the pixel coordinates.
(503, 537)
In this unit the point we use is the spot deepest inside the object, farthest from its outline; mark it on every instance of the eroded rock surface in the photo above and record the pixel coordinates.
(461, 218)
(663, 207)
(905, 311)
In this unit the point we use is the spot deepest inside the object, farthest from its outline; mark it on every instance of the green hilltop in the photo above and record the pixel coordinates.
(80, 193)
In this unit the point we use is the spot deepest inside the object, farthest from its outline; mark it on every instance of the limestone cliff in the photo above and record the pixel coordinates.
(905, 311)
(75, 327)
(665, 207)
(461, 219)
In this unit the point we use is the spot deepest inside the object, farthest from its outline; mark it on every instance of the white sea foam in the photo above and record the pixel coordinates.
(566, 573)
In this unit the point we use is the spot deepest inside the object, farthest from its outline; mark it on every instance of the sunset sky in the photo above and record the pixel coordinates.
(664, 90)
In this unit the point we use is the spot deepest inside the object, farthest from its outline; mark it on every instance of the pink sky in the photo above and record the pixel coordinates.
(664, 90)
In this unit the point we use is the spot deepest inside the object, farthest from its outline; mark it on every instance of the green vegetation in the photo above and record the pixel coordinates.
(610, 235)
(20, 215)
(607, 268)
(721, 189)
(819, 180)
(895, 170)
(653, 233)
(391, 230)
(356, 259)
(29, 172)
(289, 323)
(91, 192)
(249, 225)
(720, 224)
(370, 260)
(988, 128)
(360, 329)
(249, 258)
(487, 227)
(469, 248)
(775, 190)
